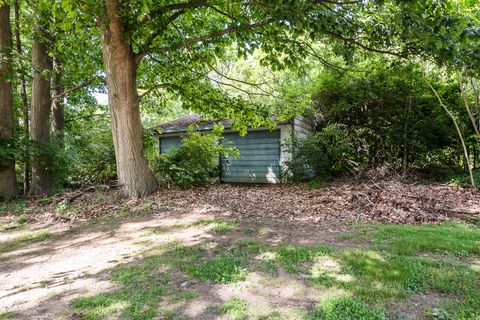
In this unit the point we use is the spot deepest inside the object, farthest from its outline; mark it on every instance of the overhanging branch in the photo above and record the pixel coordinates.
(361, 45)
(215, 34)
(64, 93)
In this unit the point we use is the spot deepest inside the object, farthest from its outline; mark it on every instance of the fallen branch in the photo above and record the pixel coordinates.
(70, 197)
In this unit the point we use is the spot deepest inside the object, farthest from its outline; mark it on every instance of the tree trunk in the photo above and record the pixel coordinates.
(134, 176)
(58, 113)
(40, 114)
(23, 94)
(459, 132)
(8, 181)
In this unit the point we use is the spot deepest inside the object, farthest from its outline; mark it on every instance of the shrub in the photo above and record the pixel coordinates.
(194, 163)
(333, 150)
(92, 157)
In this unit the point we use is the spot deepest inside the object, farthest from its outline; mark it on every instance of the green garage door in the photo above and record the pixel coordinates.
(259, 160)
(168, 144)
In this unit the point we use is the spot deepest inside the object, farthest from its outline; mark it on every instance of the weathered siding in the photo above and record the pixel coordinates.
(259, 160)
(302, 126)
(285, 137)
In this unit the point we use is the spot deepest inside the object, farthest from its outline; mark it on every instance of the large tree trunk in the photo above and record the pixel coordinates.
(7, 166)
(58, 112)
(40, 114)
(134, 176)
(23, 93)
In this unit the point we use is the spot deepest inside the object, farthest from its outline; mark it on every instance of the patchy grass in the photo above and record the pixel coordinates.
(221, 269)
(291, 256)
(7, 315)
(143, 285)
(452, 238)
(346, 308)
(217, 226)
(222, 227)
(235, 309)
(358, 282)
(24, 240)
(372, 279)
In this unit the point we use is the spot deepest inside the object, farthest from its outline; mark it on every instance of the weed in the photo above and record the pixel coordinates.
(263, 231)
(235, 309)
(221, 269)
(222, 227)
(346, 308)
(169, 202)
(44, 201)
(23, 218)
(14, 206)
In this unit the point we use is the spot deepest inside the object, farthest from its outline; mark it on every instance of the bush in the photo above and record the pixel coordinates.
(194, 163)
(332, 151)
(91, 157)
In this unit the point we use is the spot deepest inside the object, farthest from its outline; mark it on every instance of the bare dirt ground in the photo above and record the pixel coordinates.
(84, 239)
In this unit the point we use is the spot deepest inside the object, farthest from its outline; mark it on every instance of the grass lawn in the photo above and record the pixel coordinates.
(209, 267)
(403, 262)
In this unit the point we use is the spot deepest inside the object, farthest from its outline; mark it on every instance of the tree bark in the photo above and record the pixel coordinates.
(40, 117)
(134, 175)
(23, 94)
(8, 181)
(58, 112)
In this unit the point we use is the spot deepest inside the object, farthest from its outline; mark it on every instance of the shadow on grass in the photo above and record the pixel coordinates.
(171, 276)
(371, 280)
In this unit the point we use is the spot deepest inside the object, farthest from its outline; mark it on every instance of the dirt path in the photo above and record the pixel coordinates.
(39, 280)
(65, 265)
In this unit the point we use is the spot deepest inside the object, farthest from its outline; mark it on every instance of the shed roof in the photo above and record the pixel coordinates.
(182, 124)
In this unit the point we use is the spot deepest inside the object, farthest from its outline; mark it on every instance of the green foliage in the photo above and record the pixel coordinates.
(91, 157)
(13, 206)
(379, 112)
(7, 152)
(194, 163)
(23, 218)
(331, 151)
(449, 175)
(7, 315)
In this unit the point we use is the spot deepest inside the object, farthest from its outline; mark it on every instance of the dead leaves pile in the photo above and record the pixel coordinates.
(390, 201)
(365, 201)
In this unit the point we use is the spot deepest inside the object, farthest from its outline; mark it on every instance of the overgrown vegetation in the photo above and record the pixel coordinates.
(381, 113)
(194, 162)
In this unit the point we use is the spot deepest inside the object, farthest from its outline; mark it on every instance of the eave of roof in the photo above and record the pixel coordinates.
(182, 124)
